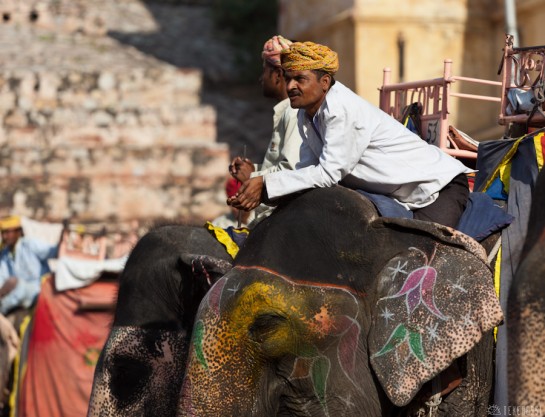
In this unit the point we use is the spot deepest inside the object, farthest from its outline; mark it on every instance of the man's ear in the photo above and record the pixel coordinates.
(278, 75)
(325, 81)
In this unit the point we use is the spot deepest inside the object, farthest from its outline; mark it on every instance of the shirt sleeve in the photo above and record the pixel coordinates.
(289, 146)
(4, 269)
(43, 250)
(22, 295)
(344, 139)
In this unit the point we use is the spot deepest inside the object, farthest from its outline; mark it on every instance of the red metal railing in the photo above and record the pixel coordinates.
(434, 96)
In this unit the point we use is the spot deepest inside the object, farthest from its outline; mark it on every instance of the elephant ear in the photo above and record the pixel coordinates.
(210, 267)
(435, 300)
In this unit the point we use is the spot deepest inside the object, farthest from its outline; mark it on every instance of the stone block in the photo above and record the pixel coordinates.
(205, 205)
(48, 84)
(7, 101)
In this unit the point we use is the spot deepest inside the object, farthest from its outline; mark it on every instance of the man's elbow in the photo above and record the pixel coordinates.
(329, 178)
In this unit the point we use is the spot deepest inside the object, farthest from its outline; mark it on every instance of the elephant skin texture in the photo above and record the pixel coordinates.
(139, 372)
(331, 310)
(526, 315)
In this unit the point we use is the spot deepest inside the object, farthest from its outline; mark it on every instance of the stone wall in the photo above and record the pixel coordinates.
(94, 129)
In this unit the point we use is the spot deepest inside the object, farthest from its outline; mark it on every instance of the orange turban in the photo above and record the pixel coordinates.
(310, 56)
(10, 222)
(272, 49)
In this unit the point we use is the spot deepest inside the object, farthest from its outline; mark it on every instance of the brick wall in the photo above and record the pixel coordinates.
(96, 130)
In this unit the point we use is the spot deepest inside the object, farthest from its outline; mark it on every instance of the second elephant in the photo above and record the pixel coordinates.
(140, 369)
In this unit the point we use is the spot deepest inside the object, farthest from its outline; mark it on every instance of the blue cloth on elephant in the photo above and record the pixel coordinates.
(480, 219)
(387, 206)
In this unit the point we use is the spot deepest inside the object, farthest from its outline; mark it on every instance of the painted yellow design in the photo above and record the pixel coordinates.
(264, 298)
(289, 302)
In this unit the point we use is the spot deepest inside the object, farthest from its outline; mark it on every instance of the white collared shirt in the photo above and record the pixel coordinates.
(283, 150)
(360, 146)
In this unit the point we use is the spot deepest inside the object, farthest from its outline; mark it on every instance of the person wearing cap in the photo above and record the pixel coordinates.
(23, 262)
(283, 149)
(348, 141)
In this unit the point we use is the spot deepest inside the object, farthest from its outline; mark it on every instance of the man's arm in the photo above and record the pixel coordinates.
(22, 295)
(14, 292)
(344, 144)
(42, 250)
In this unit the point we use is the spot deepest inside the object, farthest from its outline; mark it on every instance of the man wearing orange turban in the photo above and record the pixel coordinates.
(349, 141)
(283, 150)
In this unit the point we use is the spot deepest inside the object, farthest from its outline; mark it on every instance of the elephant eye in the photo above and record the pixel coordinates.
(128, 377)
(265, 325)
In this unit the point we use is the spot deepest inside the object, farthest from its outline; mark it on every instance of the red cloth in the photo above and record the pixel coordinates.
(231, 187)
(64, 345)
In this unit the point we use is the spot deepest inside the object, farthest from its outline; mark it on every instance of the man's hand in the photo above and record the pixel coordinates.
(8, 286)
(248, 196)
(9, 335)
(241, 168)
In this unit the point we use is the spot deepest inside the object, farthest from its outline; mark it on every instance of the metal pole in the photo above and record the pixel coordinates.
(511, 21)
(401, 56)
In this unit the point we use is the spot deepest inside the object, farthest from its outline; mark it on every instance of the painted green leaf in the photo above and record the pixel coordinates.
(397, 337)
(415, 343)
(197, 343)
(320, 373)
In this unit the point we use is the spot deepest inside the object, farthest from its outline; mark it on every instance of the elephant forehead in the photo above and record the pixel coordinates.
(135, 340)
(259, 310)
(140, 370)
(245, 293)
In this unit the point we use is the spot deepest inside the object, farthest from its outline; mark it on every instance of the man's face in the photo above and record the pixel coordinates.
(269, 81)
(305, 90)
(11, 236)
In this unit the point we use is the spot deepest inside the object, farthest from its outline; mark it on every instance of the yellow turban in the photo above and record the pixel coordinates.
(303, 56)
(11, 222)
(272, 49)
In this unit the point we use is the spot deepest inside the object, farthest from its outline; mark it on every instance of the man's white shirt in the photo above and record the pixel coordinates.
(355, 143)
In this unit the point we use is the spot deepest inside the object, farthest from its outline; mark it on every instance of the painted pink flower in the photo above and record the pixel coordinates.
(418, 288)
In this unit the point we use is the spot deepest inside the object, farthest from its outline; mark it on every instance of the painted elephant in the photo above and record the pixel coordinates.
(140, 369)
(526, 315)
(331, 310)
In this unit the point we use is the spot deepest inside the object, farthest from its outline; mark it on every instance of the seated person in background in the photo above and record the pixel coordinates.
(23, 262)
(283, 150)
(348, 141)
(231, 219)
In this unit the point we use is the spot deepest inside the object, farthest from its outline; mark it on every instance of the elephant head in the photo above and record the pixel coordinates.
(331, 310)
(526, 313)
(167, 274)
